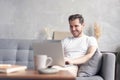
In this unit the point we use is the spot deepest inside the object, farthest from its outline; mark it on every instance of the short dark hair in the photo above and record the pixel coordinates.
(76, 16)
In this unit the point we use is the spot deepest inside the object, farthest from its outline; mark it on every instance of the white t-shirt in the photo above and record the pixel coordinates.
(77, 47)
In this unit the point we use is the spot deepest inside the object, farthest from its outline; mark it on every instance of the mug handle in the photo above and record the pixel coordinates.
(49, 61)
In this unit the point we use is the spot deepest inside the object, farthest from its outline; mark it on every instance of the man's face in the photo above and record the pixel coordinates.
(76, 27)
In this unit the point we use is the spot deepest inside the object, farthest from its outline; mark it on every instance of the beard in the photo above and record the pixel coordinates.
(76, 33)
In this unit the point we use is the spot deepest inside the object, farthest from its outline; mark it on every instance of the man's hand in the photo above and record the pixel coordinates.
(68, 60)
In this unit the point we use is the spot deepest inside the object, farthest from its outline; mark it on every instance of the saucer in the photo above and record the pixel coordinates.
(48, 70)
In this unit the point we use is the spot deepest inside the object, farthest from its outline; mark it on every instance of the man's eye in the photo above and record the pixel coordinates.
(76, 26)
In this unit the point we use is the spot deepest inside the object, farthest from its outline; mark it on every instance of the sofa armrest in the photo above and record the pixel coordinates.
(108, 66)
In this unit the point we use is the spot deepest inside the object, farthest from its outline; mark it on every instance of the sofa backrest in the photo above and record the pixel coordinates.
(16, 51)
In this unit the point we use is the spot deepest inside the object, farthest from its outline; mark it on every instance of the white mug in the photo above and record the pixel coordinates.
(42, 61)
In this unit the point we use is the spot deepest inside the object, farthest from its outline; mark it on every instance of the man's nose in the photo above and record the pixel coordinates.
(73, 28)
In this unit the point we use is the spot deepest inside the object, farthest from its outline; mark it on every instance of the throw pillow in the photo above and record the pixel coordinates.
(91, 67)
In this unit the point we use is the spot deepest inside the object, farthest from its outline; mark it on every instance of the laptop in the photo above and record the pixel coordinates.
(51, 48)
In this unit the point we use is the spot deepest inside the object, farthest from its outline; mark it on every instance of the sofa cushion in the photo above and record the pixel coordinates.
(17, 51)
(91, 67)
(7, 56)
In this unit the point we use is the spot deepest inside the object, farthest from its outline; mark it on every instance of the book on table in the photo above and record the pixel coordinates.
(8, 68)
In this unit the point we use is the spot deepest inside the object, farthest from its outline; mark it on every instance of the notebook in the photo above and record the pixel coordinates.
(9, 68)
(51, 48)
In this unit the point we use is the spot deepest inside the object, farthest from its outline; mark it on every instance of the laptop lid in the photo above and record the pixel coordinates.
(51, 48)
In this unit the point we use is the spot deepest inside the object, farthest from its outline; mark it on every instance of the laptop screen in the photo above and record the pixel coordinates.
(51, 48)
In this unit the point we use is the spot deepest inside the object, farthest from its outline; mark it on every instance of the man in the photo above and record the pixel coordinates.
(79, 48)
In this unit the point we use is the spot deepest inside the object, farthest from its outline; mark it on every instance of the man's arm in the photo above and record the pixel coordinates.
(90, 52)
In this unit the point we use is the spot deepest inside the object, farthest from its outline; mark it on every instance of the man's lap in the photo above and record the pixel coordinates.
(73, 69)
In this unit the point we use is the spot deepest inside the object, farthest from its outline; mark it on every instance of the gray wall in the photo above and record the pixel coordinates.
(25, 19)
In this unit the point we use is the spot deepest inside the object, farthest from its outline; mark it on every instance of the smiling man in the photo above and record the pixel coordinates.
(80, 48)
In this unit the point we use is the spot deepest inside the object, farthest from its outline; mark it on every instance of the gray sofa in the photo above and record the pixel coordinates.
(16, 51)
(107, 70)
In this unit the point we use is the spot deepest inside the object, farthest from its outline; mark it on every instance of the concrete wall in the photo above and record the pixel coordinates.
(26, 19)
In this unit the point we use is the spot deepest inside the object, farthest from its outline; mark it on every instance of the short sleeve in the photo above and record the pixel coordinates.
(92, 42)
